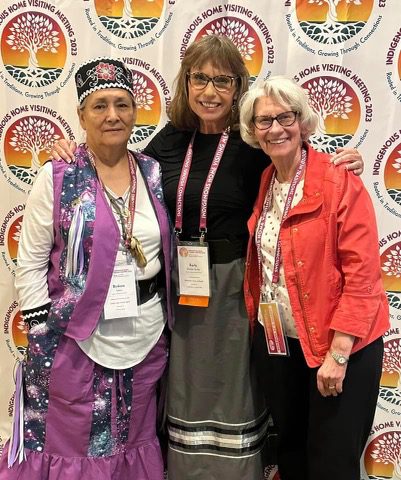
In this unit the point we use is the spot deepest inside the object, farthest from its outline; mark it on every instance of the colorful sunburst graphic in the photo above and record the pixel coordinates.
(15, 331)
(13, 236)
(19, 332)
(244, 38)
(392, 175)
(129, 18)
(27, 144)
(390, 382)
(148, 107)
(33, 48)
(382, 456)
(391, 274)
(392, 66)
(331, 22)
(339, 111)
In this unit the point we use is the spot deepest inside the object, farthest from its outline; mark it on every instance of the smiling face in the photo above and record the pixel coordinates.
(213, 108)
(281, 144)
(108, 117)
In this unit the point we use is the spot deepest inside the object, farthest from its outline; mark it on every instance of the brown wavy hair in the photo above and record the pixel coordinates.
(221, 52)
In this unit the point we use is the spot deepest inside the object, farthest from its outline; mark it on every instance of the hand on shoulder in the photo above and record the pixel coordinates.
(63, 150)
(350, 158)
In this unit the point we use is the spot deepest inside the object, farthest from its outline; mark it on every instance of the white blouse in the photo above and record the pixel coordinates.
(268, 249)
(115, 343)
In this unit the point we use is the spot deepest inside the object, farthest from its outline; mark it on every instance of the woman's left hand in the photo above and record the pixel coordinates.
(330, 377)
(351, 159)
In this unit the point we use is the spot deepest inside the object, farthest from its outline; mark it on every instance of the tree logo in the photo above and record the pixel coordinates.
(389, 400)
(244, 28)
(19, 333)
(15, 331)
(342, 102)
(148, 107)
(244, 38)
(386, 174)
(382, 456)
(10, 232)
(152, 95)
(14, 233)
(393, 66)
(129, 20)
(333, 21)
(392, 175)
(390, 383)
(28, 144)
(32, 136)
(330, 23)
(27, 135)
(334, 102)
(391, 272)
(34, 49)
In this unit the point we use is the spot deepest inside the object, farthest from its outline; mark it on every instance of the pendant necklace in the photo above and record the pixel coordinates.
(126, 215)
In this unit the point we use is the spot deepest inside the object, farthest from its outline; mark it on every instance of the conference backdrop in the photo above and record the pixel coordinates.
(345, 53)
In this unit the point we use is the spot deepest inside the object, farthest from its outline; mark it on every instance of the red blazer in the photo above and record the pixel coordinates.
(330, 254)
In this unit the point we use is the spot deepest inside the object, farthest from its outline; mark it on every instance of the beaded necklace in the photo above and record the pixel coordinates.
(126, 215)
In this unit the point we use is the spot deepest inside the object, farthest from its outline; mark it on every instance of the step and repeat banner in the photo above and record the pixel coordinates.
(346, 53)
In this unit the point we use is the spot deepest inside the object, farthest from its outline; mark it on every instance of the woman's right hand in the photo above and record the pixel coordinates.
(63, 150)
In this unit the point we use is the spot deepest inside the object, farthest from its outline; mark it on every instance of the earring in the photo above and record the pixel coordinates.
(234, 105)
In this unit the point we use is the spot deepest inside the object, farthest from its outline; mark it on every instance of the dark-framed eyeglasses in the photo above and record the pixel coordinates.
(285, 119)
(222, 83)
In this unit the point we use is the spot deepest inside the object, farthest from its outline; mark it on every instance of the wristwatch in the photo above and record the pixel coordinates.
(339, 358)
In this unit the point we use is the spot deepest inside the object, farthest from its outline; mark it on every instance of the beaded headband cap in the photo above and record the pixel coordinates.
(100, 73)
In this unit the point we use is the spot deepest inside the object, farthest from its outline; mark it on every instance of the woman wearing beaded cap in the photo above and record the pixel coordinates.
(95, 242)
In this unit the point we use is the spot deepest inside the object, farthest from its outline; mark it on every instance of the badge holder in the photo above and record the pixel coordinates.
(276, 340)
(193, 273)
(122, 298)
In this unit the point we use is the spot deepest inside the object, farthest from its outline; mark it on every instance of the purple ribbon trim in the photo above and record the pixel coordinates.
(16, 448)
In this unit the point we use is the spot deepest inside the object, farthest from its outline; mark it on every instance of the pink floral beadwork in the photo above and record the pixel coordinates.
(106, 71)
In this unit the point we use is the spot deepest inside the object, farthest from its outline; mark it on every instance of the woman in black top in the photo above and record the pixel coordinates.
(216, 416)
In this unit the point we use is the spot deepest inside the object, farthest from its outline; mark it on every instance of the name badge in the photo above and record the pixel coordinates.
(193, 273)
(275, 339)
(122, 300)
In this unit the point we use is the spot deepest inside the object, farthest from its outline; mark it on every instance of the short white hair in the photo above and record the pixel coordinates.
(284, 91)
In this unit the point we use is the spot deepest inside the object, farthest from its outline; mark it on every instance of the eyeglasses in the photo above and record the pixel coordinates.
(222, 83)
(285, 119)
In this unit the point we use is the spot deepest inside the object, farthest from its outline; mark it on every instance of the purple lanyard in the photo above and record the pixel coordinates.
(267, 204)
(182, 183)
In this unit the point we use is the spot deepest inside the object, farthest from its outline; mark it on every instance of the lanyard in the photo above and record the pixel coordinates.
(267, 204)
(182, 184)
(126, 217)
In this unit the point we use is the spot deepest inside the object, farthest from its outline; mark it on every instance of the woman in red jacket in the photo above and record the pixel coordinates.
(313, 281)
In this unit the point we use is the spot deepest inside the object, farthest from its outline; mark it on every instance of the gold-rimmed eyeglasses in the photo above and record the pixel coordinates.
(285, 119)
(222, 83)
